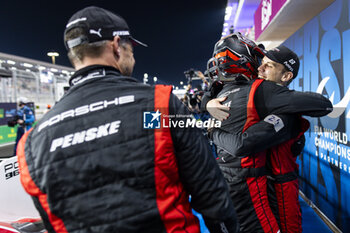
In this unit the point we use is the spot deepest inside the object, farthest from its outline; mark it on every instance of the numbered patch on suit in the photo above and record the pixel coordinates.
(275, 121)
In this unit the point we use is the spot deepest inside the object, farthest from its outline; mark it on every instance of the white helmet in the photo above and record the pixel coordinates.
(22, 100)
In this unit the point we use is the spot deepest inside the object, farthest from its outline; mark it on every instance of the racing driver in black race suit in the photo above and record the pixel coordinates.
(249, 100)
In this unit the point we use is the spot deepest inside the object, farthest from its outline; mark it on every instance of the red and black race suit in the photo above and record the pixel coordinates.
(90, 166)
(244, 169)
(282, 169)
(282, 183)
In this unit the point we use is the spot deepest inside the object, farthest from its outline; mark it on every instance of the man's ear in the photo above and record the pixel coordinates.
(287, 76)
(115, 44)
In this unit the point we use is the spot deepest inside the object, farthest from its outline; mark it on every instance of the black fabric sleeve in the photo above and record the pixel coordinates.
(201, 176)
(43, 215)
(273, 98)
(205, 99)
(271, 131)
(298, 146)
(214, 90)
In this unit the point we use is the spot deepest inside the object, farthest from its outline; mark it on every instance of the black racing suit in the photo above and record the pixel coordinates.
(92, 164)
(250, 102)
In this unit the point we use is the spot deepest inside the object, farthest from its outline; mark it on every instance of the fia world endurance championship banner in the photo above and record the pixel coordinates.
(323, 46)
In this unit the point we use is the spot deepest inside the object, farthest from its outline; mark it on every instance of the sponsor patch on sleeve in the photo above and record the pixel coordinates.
(275, 121)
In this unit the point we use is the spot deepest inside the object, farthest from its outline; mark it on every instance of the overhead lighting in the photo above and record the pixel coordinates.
(228, 12)
(238, 12)
(54, 70)
(52, 54)
(13, 68)
(28, 70)
(41, 68)
(11, 62)
(225, 24)
(224, 33)
(27, 65)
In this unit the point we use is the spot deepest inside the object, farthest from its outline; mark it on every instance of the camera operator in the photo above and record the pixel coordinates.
(194, 95)
(193, 100)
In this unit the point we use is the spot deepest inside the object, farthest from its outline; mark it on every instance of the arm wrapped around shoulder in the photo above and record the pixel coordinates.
(311, 104)
(272, 98)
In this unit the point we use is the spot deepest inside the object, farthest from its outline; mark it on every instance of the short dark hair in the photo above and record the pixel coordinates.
(94, 49)
(286, 70)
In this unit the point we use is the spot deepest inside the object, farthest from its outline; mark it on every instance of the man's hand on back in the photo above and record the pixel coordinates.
(218, 110)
